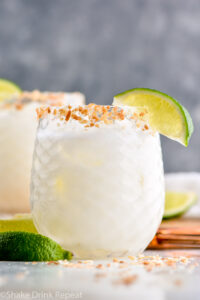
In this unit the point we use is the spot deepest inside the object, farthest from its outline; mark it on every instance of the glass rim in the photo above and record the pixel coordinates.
(41, 98)
(92, 115)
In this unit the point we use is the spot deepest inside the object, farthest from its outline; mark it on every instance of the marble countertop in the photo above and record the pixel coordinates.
(104, 279)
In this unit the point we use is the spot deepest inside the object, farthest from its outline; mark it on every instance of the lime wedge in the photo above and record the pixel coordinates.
(178, 203)
(166, 115)
(26, 246)
(22, 222)
(8, 89)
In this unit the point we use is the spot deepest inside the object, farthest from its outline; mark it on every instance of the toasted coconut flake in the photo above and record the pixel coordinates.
(99, 266)
(92, 115)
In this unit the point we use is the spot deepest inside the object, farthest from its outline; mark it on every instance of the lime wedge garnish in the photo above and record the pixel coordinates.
(22, 222)
(26, 246)
(8, 89)
(178, 203)
(166, 115)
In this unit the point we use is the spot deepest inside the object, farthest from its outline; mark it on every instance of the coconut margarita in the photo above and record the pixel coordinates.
(18, 123)
(97, 184)
(97, 179)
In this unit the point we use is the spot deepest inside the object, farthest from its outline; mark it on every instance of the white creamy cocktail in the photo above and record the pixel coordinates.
(18, 123)
(97, 180)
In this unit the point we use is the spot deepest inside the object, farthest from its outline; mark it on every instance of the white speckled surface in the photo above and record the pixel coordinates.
(42, 281)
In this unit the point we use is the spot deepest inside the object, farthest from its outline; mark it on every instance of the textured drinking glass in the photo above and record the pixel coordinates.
(18, 124)
(97, 180)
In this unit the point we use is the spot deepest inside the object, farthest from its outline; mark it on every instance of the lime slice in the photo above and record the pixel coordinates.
(8, 90)
(26, 246)
(166, 115)
(22, 222)
(178, 203)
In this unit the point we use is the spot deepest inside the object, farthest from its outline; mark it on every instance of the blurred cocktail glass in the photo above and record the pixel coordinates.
(97, 180)
(18, 123)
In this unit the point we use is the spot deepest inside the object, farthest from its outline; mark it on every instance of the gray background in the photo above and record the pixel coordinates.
(102, 47)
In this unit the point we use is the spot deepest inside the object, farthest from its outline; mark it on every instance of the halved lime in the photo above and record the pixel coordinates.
(8, 89)
(19, 222)
(166, 115)
(177, 203)
(26, 246)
